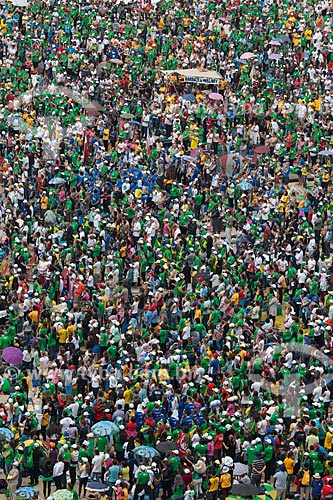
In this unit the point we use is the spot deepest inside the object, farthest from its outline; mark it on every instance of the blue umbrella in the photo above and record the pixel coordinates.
(104, 428)
(133, 122)
(189, 97)
(146, 452)
(97, 487)
(245, 186)
(6, 434)
(27, 492)
(56, 181)
(325, 152)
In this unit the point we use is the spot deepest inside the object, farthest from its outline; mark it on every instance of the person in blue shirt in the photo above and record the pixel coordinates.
(316, 485)
(214, 367)
(113, 473)
(186, 420)
(147, 319)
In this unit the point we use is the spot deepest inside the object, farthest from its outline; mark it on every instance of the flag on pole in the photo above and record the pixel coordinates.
(148, 143)
(85, 146)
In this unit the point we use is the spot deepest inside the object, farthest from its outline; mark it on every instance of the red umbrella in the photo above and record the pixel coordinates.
(215, 96)
(262, 150)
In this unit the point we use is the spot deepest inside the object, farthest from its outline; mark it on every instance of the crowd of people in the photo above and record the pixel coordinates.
(166, 259)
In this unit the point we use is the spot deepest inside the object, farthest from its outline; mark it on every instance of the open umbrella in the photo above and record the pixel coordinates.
(29, 442)
(57, 181)
(187, 158)
(194, 152)
(262, 150)
(240, 469)
(285, 39)
(270, 491)
(134, 122)
(266, 495)
(20, 3)
(274, 57)
(104, 428)
(215, 96)
(274, 42)
(165, 446)
(146, 452)
(27, 492)
(6, 434)
(97, 487)
(325, 152)
(127, 116)
(12, 355)
(245, 186)
(241, 61)
(189, 97)
(62, 495)
(245, 490)
(247, 55)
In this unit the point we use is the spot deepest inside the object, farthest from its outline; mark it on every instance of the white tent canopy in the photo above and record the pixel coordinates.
(196, 75)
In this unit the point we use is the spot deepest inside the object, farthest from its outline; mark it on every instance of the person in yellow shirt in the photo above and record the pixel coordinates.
(325, 180)
(235, 298)
(289, 464)
(106, 138)
(213, 484)
(44, 203)
(328, 439)
(33, 316)
(63, 334)
(128, 396)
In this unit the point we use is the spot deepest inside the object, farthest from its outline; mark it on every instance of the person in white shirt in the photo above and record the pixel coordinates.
(97, 463)
(59, 474)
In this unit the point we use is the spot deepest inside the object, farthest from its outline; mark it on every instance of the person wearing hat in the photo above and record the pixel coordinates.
(316, 486)
(225, 481)
(12, 479)
(280, 480)
(142, 482)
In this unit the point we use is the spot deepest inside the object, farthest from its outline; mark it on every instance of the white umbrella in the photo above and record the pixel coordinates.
(240, 469)
(20, 3)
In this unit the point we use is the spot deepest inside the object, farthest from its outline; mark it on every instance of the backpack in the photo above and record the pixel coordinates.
(305, 481)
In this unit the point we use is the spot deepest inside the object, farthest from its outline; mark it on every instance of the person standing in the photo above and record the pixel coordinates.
(280, 481)
(37, 455)
(258, 468)
(47, 478)
(84, 475)
(59, 474)
(12, 479)
(316, 484)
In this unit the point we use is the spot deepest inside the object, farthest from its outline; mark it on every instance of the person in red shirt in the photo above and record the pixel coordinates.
(131, 428)
(327, 489)
(218, 446)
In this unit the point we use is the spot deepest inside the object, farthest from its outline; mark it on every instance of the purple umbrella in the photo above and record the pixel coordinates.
(12, 355)
(274, 42)
(247, 55)
(274, 56)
